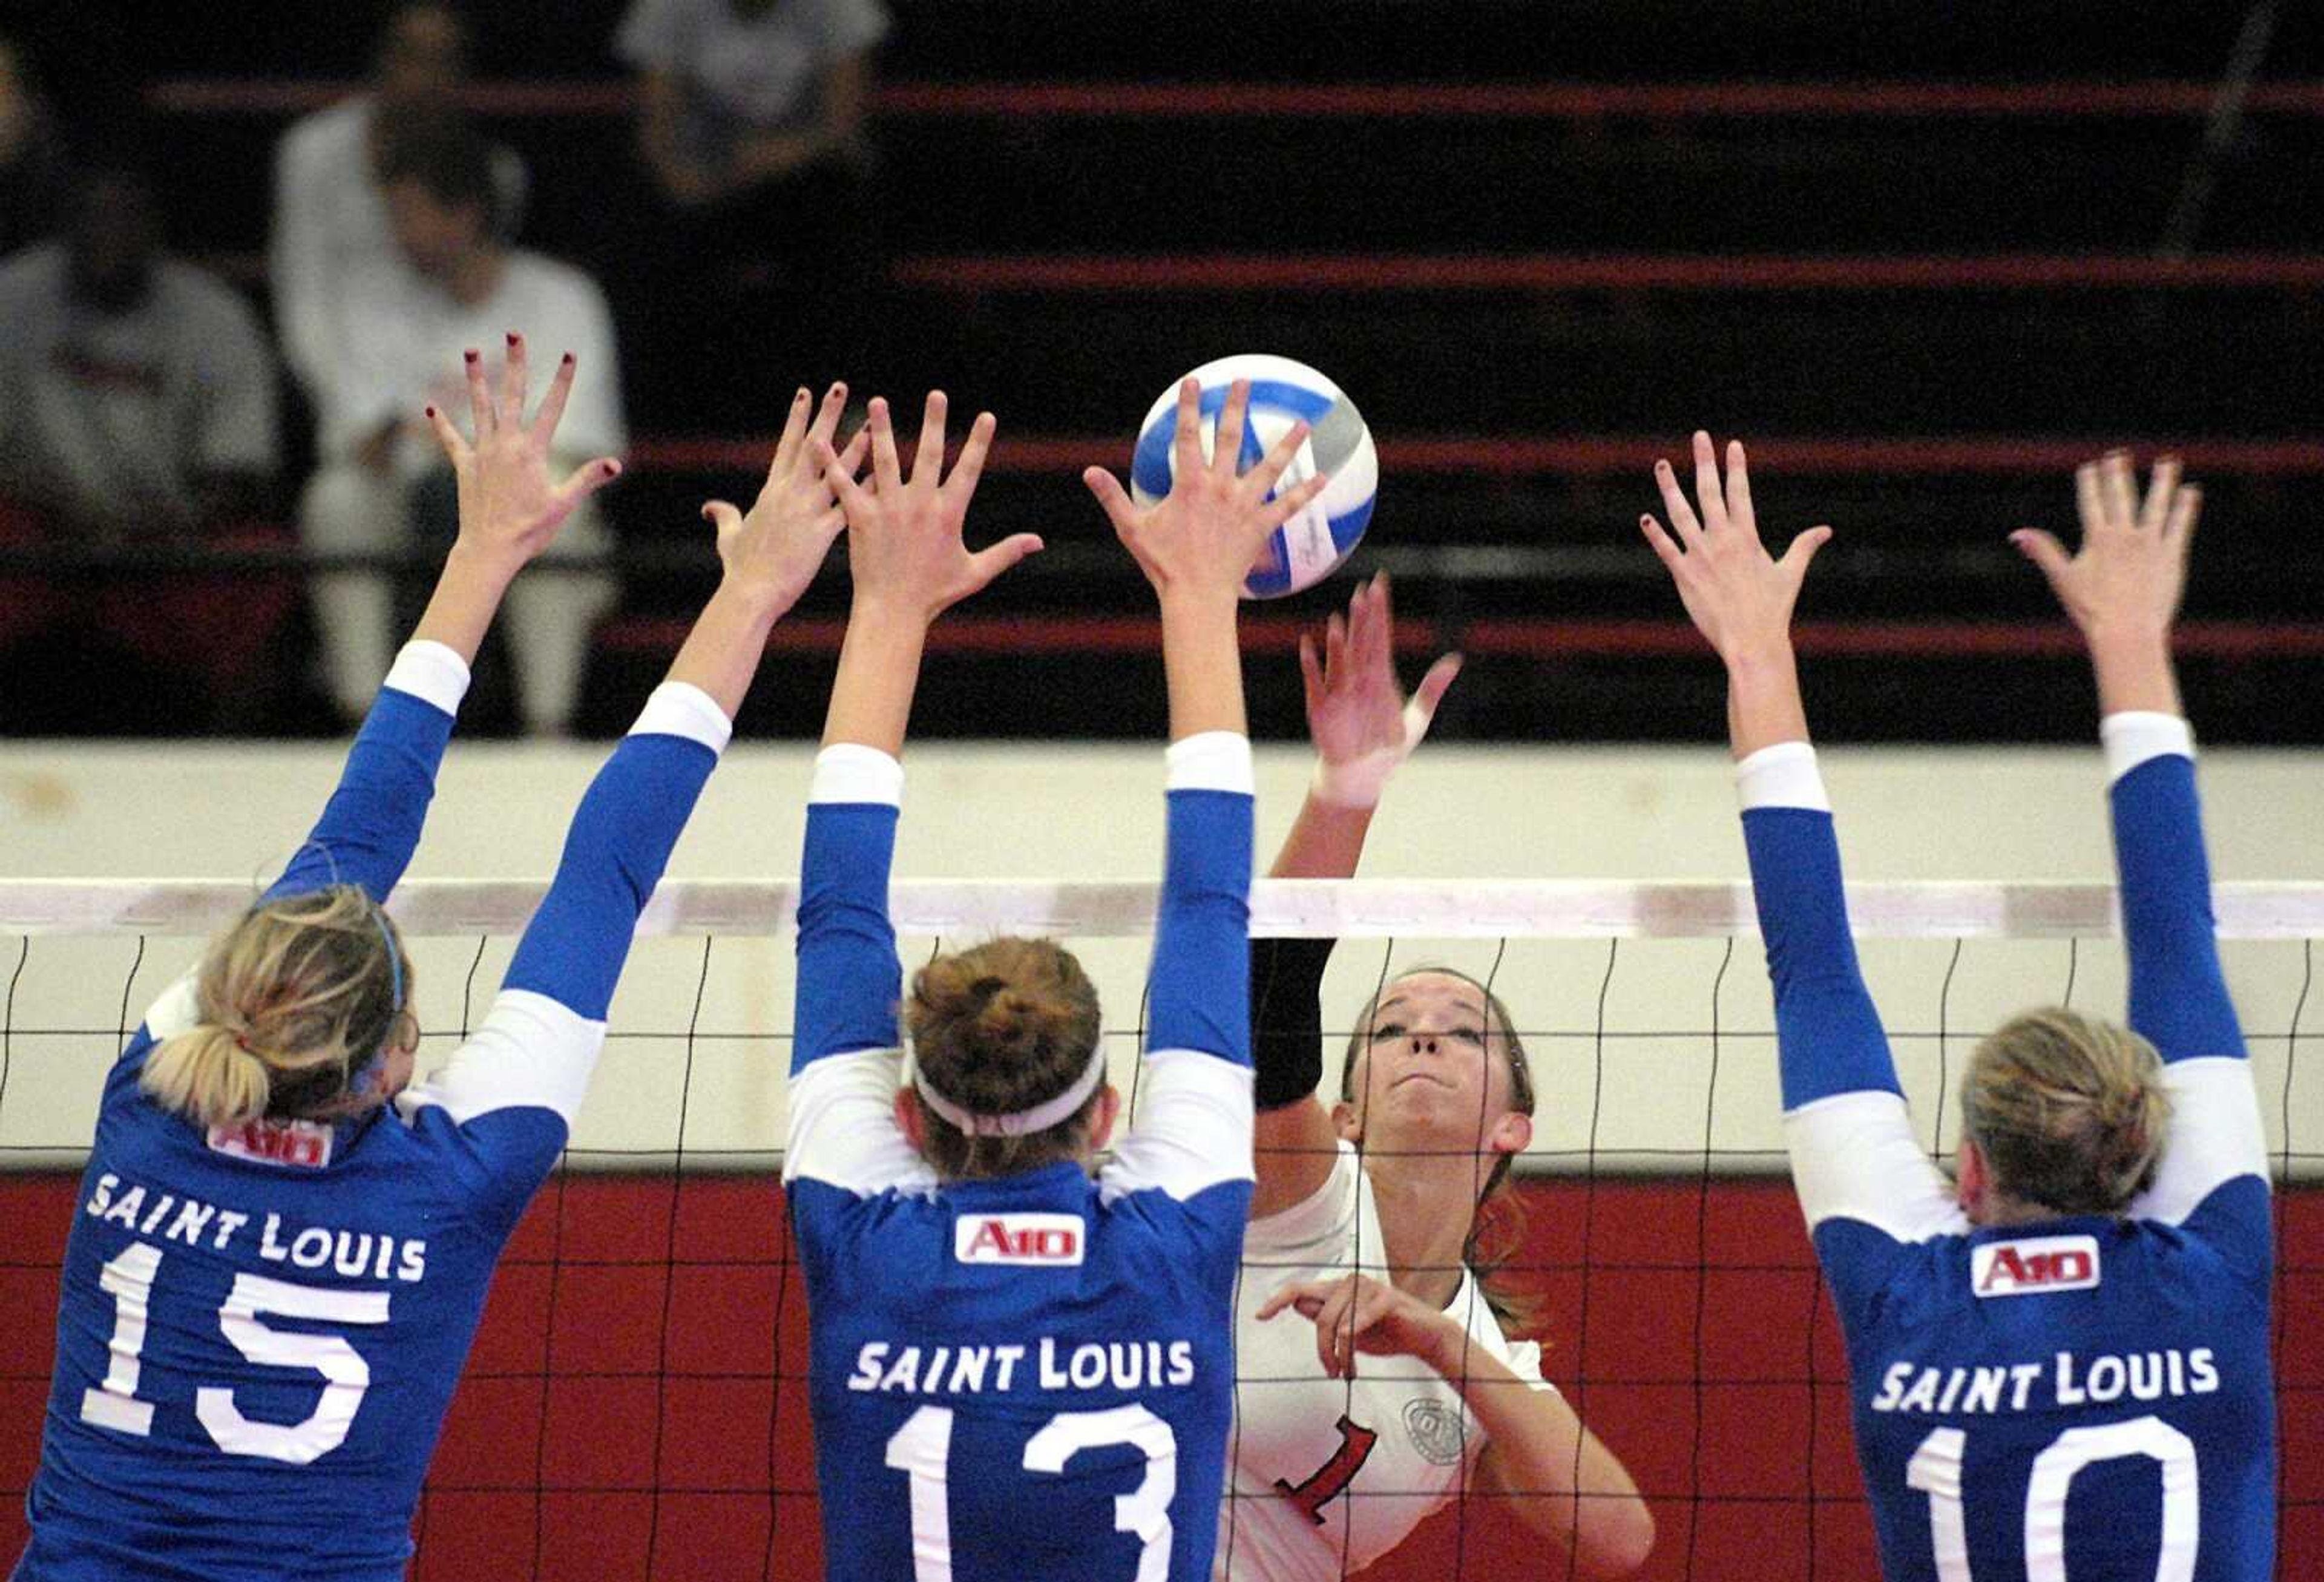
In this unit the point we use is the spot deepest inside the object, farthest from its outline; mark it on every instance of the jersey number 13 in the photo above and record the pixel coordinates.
(922, 1449)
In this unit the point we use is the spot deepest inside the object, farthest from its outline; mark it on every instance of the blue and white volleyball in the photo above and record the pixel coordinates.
(1317, 540)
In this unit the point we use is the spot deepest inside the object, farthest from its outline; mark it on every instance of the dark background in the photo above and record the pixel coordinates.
(1518, 419)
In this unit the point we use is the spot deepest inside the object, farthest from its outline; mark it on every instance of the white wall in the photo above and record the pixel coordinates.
(1640, 1097)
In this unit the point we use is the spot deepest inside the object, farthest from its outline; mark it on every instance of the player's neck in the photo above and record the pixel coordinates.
(2000, 1210)
(1425, 1207)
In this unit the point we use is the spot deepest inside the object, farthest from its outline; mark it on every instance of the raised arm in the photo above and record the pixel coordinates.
(1854, 1155)
(510, 511)
(516, 1085)
(1193, 1124)
(2122, 588)
(909, 564)
(1363, 727)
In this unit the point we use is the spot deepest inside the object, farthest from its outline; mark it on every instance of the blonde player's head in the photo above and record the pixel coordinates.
(1000, 1030)
(1434, 1069)
(2064, 1114)
(304, 1008)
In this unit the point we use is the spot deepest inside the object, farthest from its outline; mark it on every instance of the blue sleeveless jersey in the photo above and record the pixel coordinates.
(260, 1330)
(2083, 1398)
(1028, 1378)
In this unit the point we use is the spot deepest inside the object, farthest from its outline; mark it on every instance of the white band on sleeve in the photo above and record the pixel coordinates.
(1782, 775)
(679, 709)
(431, 673)
(849, 771)
(2136, 735)
(1210, 760)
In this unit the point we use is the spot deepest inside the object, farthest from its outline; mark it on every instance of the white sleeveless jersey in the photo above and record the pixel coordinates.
(1328, 1475)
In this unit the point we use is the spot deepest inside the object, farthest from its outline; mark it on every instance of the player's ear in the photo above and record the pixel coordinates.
(1512, 1134)
(1973, 1181)
(1101, 1118)
(1345, 1122)
(909, 1119)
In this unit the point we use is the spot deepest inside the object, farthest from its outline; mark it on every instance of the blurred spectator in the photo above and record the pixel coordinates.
(383, 486)
(137, 409)
(31, 162)
(330, 212)
(750, 128)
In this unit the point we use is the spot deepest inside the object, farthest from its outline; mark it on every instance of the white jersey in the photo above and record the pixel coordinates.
(1328, 1475)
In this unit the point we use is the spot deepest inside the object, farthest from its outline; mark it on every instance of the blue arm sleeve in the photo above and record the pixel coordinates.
(631, 815)
(849, 976)
(1201, 993)
(371, 824)
(2178, 993)
(1827, 1028)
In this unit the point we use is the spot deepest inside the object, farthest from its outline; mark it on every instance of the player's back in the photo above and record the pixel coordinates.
(258, 1335)
(2084, 1397)
(1059, 1347)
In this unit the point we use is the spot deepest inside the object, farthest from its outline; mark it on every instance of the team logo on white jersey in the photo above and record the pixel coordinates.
(1436, 1429)
(2029, 1267)
(1018, 1238)
(300, 1144)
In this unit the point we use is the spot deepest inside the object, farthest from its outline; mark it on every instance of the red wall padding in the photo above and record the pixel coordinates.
(632, 1400)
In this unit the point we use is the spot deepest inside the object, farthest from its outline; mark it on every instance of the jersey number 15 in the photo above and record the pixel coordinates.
(129, 1279)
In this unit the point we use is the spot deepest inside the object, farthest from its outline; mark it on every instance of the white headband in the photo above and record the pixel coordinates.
(1039, 1118)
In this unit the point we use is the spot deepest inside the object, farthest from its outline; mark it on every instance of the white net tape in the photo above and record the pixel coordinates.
(1645, 1005)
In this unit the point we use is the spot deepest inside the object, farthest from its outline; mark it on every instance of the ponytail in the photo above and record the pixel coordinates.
(209, 1076)
(296, 1000)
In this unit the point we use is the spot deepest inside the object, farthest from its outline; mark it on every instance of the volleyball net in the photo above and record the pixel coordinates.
(636, 1406)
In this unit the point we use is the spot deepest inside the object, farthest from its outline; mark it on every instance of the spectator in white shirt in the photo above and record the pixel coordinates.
(382, 487)
(330, 211)
(750, 129)
(137, 411)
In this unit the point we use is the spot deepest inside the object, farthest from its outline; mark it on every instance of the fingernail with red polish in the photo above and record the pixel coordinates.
(514, 337)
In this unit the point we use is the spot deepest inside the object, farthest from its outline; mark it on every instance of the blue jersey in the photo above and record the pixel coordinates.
(260, 1328)
(2079, 1398)
(1026, 1379)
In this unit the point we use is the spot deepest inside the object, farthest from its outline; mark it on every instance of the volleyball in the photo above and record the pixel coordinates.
(1318, 540)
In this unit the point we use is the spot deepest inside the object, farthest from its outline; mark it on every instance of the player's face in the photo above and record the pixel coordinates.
(1431, 1061)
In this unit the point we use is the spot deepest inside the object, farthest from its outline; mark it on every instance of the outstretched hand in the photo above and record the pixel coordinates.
(1358, 718)
(1739, 597)
(904, 546)
(2127, 578)
(773, 552)
(1359, 1314)
(1211, 529)
(508, 506)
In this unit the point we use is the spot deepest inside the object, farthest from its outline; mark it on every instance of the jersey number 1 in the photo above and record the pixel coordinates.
(922, 1448)
(1935, 1469)
(129, 1281)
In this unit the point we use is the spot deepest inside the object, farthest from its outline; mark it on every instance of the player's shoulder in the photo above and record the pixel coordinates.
(1328, 1222)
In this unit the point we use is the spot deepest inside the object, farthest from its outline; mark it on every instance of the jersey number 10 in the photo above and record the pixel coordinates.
(922, 1448)
(1935, 1469)
(129, 1279)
